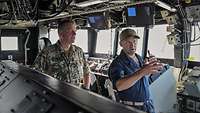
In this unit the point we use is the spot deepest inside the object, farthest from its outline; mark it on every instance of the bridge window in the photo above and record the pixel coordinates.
(105, 40)
(9, 43)
(81, 38)
(194, 50)
(53, 35)
(158, 43)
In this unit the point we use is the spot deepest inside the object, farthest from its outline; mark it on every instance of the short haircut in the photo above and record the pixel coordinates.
(128, 33)
(62, 26)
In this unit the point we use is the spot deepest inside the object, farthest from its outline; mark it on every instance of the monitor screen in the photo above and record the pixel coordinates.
(140, 16)
(9, 43)
(97, 22)
(131, 11)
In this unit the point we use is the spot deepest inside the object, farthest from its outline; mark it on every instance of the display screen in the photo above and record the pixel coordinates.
(131, 11)
(97, 22)
(140, 16)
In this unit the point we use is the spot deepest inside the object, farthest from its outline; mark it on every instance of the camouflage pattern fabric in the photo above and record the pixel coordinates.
(69, 67)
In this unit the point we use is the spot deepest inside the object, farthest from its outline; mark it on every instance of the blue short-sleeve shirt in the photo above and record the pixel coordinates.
(124, 66)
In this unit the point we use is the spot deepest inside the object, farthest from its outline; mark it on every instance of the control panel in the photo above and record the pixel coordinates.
(189, 92)
(6, 76)
(99, 66)
(24, 90)
(193, 13)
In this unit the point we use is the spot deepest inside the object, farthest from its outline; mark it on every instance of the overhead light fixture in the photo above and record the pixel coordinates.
(90, 2)
(165, 6)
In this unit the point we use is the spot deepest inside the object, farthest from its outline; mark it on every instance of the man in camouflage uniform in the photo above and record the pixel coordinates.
(63, 60)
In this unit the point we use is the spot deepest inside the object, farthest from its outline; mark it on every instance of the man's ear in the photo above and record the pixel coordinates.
(121, 43)
(60, 35)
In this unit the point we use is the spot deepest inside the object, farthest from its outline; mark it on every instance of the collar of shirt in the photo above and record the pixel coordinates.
(72, 48)
(128, 60)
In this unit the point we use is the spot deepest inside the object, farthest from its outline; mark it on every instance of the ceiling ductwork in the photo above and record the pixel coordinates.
(13, 12)
(86, 3)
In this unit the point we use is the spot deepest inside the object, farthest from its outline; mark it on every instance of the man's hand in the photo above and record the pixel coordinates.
(151, 67)
(86, 81)
(150, 59)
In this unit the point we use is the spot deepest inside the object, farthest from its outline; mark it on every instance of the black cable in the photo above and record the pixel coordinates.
(18, 3)
(6, 22)
(186, 40)
(24, 10)
(198, 26)
(64, 5)
(195, 44)
(35, 6)
(13, 10)
(5, 14)
(184, 66)
(195, 39)
(33, 12)
(194, 33)
(18, 8)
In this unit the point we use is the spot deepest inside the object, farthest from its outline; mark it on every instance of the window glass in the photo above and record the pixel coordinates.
(105, 40)
(53, 35)
(139, 32)
(81, 38)
(158, 43)
(195, 50)
(9, 43)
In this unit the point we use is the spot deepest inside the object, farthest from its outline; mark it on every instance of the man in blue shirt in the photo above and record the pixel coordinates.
(130, 74)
